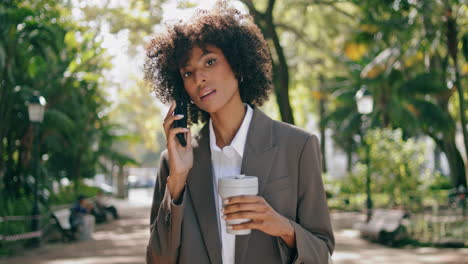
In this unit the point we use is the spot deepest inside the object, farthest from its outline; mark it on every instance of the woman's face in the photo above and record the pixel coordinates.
(209, 80)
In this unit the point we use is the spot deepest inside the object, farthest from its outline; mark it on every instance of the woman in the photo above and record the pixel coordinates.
(220, 61)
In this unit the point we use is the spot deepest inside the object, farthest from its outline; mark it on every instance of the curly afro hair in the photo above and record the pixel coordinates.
(225, 27)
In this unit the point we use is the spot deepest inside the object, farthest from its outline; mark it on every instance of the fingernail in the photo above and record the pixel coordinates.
(179, 116)
(229, 227)
(225, 201)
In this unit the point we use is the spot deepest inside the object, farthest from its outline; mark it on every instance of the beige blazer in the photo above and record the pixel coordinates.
(286, 161)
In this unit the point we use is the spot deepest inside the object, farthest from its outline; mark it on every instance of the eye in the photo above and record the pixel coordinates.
(210, 62)
(187, 74)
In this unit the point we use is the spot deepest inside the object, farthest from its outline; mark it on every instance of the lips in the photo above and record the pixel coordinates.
(205, 92)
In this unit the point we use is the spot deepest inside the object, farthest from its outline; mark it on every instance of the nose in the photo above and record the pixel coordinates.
(200, 77)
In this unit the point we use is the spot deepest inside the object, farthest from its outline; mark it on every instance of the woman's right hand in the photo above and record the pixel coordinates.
(180, 158)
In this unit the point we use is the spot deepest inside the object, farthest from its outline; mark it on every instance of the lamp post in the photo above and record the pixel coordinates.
(365, 105)
(36, 107)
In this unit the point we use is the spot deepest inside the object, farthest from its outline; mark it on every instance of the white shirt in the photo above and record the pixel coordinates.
(228, 162)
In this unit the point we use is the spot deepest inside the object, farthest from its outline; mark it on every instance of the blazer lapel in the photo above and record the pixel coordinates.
(200, 186)
(257, 161)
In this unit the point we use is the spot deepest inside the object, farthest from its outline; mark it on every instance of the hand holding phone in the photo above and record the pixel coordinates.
(180, 156)
(181, 109)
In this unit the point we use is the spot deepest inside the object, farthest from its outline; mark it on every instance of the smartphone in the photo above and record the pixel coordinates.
(181, 109)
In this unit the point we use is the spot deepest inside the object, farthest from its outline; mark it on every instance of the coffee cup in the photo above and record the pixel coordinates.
(235, 186)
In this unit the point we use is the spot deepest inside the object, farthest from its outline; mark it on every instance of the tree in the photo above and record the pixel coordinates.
(136, 17)
(265, 21)
(22, 50)
(65, 63)
(394, 42)
(139, 111)
(136, 111)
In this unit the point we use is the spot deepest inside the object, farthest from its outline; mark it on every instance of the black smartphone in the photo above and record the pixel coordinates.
(181, 109)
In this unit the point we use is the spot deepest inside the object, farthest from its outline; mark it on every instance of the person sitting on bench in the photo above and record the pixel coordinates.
(103, 206)
(81, 219)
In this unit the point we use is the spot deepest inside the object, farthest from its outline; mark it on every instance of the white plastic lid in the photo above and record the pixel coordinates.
(238, 181)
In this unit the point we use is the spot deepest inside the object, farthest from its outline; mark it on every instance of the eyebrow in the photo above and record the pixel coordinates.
(205, 52)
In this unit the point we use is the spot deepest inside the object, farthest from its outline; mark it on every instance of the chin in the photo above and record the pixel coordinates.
(211, 107)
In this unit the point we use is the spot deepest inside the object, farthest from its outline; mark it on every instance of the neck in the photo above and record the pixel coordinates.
(227, 122)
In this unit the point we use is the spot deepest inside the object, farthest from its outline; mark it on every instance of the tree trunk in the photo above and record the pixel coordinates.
(76, 175)
(321, 125)
(20, 169)
(5, 109)
(281, 76)
(10, 180)
(437, 163)
(436, 64)
(121, 183)
(112, 174)
(349, 159)
(266, 24)
(452, 43)
(455, 160)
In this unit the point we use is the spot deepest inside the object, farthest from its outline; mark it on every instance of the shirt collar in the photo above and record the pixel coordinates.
(238, 143)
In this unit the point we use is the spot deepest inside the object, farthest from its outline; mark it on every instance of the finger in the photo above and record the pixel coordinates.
(177, 130)
(248, 225)
(171, 110)
(188, 138)
(172, 134)
(257, 207)
(169, 121)
(245, 215)
(243, 199)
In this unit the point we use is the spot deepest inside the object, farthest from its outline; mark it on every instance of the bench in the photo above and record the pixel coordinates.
(385, 226)
(62, 218)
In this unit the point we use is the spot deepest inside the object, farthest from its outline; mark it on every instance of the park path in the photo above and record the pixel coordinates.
(121, 241)
(124, 242)
(351, 249)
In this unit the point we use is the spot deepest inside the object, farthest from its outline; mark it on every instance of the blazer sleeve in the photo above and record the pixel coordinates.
(166, 220)
(314, 236)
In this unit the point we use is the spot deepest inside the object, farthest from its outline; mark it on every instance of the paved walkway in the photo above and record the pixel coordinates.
(121, 241)
(124, 242)
(350, 249)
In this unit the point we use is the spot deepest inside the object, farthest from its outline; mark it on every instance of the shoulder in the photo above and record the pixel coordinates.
(278, 131)
(288, 138)
(164, 161)
(292, 134)
(163, 156)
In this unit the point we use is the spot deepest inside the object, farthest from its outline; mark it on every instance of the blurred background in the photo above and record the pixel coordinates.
(383, 83)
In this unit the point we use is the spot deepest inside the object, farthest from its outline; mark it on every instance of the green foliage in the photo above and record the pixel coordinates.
(138, 110)
(399, 176)
(136, 17)
(440, 182)
(399, 51)
(42, 49)
(66, 194)
(398, 166)
(15, 207)
(23, 207)
(20, 207)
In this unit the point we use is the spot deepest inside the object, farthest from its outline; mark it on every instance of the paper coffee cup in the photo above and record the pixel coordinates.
(236, 186)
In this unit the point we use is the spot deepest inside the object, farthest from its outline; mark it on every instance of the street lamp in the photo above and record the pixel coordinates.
(365, 104)
(36, 107)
